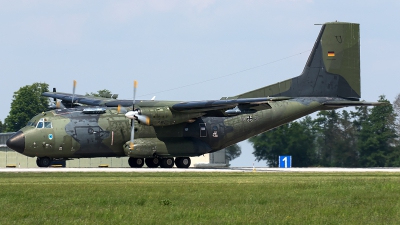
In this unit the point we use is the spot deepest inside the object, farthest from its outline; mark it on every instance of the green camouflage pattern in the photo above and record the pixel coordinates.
(78, 135)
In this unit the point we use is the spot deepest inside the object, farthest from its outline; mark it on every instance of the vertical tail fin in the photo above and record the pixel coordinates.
(332, 69)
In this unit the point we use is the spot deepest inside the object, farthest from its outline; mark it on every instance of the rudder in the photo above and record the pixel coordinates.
(332, 69)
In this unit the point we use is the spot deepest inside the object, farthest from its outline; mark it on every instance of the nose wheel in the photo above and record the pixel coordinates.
(43, 162)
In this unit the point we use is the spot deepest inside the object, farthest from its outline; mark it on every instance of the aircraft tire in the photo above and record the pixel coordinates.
(167, 162)
(43, 162)
(182, 162)
(135, 162)
(152, 162)
(38, 162)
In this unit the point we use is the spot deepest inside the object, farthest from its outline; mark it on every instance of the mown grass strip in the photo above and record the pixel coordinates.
(199, 198)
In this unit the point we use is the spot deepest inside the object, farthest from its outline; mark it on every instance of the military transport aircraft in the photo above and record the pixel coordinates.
(167, 133)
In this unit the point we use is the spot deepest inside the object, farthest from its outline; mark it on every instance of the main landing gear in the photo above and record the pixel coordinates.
(152, 162)
(180, 162)
(43, 162)
(135, 162)
(167, 162)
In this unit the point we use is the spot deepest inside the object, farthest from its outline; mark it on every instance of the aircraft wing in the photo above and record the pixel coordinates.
(243, 104)
(88, 100)
(224, 104)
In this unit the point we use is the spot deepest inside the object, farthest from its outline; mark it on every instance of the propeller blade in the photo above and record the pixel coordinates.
(132, 114)
(121, 109)
(59, 105)
(135, 83)
(73, 90)
(73, 94)
(143, 119)
(132, 135)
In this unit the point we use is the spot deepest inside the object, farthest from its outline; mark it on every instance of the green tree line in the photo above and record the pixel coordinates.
(27, 102)
(365, 137)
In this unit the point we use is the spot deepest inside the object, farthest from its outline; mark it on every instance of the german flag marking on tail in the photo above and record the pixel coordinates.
(331, 53)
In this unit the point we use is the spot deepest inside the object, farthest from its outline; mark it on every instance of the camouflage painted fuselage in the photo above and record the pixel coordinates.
(78, 135)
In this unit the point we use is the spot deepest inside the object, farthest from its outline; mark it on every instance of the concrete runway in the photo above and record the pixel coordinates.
(233, 169)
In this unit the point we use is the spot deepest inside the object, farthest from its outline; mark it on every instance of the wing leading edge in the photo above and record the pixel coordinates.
(88, 100)
(213, 105)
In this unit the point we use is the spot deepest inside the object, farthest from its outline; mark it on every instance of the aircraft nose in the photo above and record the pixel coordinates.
(17, 142)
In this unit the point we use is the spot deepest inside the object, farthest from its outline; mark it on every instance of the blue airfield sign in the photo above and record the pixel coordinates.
(285, 161)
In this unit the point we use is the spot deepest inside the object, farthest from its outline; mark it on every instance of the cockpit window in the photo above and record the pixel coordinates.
(40, 124)
(31, 124)
(44, 124)
(47, 125)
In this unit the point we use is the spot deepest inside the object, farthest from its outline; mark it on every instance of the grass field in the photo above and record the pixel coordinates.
(199, 198)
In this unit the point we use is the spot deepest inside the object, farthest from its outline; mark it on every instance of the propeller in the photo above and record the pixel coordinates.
(59, 105)
(121, 109)
(134, 114)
